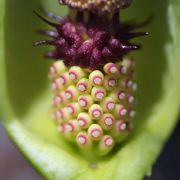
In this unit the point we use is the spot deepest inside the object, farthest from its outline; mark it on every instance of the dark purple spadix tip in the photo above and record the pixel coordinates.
(89, 42)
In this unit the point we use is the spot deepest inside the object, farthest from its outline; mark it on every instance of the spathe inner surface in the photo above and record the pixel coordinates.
(27, 72)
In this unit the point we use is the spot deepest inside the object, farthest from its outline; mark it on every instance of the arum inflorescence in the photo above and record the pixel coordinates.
(92, 82)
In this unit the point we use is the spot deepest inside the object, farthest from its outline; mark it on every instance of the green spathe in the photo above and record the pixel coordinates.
(25, 97)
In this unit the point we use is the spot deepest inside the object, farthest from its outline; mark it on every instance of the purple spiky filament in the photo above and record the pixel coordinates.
(91, 121)
(91, 41)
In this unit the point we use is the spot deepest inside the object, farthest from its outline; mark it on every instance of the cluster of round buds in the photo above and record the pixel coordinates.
(94, 108)
(97, 6)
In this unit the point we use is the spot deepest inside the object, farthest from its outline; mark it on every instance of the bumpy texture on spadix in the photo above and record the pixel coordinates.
(98, 6)
(92, 82)
(94, 108)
